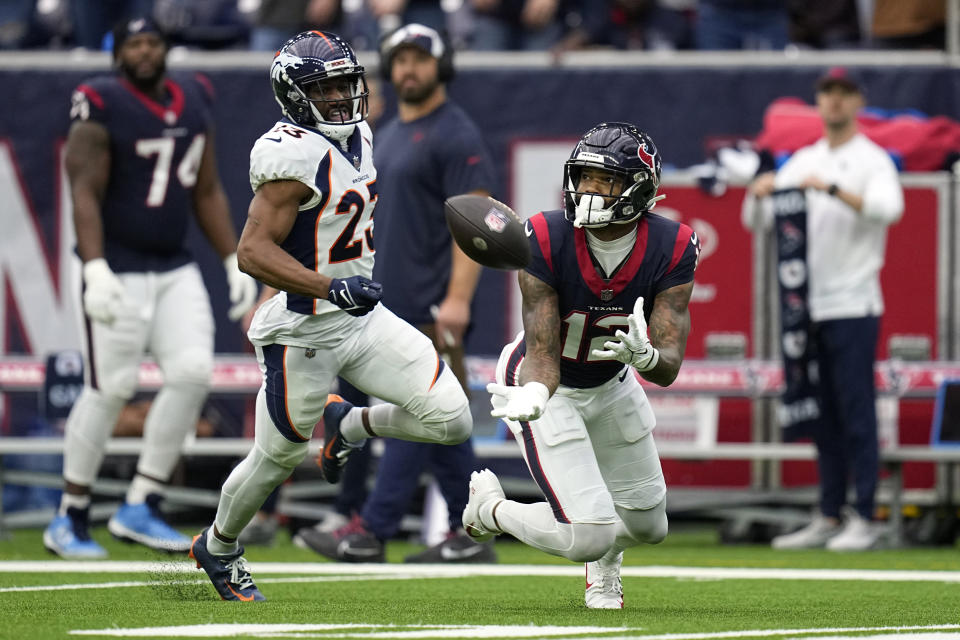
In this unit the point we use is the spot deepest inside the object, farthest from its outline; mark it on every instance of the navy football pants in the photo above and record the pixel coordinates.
(847, 437)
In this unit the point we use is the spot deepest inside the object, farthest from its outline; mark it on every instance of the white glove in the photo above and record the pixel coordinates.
(243, 288)
(634, 347)
(103, 294)
(518, 403)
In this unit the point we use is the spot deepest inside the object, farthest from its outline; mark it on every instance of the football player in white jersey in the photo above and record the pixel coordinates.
(309, 233)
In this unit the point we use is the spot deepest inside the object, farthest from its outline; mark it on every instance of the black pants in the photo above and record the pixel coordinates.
(847, 437)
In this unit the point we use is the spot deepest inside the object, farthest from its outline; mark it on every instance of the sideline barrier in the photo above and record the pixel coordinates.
(891, 458)
(236, 374)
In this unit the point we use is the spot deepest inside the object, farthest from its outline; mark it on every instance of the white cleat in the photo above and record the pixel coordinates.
(858, 534)
(484, 488)
(813, 536)
(604, 589)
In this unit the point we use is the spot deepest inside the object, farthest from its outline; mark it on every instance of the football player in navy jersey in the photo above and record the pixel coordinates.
(309, 234)
(603, 269)
(140, 159)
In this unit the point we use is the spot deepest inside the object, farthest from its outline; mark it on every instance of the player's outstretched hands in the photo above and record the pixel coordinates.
(243, 289)
(518, 403)
(103, 295)
(356, 295)
(634, 347)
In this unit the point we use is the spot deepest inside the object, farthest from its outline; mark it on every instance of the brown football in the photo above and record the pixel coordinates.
(488, 231)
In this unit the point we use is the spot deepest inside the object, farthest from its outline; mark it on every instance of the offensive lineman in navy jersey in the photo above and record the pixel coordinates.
(566, 387)
(140, 159)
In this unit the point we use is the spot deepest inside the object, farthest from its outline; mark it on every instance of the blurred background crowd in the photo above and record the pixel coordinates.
(487, 25)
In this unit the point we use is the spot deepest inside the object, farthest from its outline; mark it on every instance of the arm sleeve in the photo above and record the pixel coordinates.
(883, 195)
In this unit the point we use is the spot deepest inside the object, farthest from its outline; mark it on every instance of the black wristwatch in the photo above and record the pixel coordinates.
(832, 189)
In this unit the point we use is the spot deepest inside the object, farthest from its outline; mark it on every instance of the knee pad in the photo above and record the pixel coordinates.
(590, 541)
(455, 430)
(191, 367)
(645, 525)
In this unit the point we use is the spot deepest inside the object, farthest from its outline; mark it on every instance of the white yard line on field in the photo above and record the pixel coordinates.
(410, 632)
(379, 570)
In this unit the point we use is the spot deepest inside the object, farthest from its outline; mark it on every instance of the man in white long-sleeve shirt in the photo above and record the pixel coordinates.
(853, 194)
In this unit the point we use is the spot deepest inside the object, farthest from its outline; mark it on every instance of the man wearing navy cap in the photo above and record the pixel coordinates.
(852, 194)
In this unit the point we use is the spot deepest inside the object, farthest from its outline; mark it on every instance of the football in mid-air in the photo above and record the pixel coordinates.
(488, 231)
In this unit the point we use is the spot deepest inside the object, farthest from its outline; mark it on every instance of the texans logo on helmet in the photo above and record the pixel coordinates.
(643, 152)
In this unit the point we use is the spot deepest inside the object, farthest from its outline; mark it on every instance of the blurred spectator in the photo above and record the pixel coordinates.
(909, 24)
(278, 20)
(208, 24)
(742, 24)
(630, 24)
(390, 14)
(824, 24)
(29, 23)
(531, 25)
(93, 19)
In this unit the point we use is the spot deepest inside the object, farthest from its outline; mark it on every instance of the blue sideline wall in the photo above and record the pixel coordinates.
(681, 107)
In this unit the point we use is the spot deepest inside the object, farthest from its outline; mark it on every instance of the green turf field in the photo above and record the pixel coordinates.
(687, 587)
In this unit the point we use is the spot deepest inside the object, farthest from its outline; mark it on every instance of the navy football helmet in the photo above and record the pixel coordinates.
(624, 151)
(309, 58)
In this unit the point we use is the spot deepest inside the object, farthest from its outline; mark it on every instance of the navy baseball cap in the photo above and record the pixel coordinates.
(134, 27)
(840, 77)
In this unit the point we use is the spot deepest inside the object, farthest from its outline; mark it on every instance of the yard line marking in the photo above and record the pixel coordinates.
(378, 570)
(359, 630)
(761, 633)
(183, 581)
(355, 630)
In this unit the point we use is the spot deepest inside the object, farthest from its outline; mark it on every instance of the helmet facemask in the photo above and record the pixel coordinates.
(589, 209)
(319, 93)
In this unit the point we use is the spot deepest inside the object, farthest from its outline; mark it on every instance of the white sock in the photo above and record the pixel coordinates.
(171, 418)
(352, 426)
(245, 490)
(68, 500)
(218, 547)
(141, 487)
(90, 424)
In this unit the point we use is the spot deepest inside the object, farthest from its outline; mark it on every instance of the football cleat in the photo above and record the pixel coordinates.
(335, 447)
(68, 536)
(352, 542)
(229, 574)
(456, 547)
(143, 523)
(604, 588)
(484, 488)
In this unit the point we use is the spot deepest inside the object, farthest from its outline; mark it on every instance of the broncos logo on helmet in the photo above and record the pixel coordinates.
(628, 153)
(311, 58)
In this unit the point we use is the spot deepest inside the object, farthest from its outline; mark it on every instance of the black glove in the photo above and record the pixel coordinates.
(356, 295)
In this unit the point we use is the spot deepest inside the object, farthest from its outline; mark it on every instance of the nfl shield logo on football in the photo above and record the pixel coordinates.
(495, 221)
